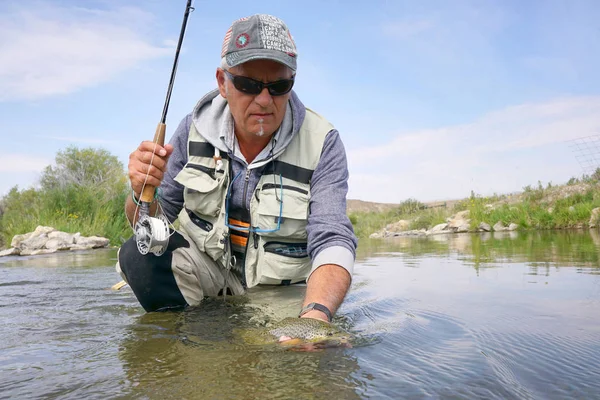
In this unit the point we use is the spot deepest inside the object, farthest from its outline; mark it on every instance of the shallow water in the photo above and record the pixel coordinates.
(465, 316)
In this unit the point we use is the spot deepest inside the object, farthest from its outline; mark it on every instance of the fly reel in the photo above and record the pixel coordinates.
(152, 234)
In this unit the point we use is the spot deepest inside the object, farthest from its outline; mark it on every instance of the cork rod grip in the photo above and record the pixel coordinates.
(159, 138)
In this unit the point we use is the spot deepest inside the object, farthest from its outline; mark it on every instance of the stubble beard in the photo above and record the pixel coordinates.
(261, 130)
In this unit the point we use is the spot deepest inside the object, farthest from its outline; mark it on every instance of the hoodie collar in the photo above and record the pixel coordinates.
(214, 122)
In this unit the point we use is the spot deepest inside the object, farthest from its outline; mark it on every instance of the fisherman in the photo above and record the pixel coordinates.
(256, 182)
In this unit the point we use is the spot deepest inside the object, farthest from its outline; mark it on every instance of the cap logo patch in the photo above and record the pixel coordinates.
(242, 40)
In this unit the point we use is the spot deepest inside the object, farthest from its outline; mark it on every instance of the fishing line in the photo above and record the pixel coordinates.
(152, 233)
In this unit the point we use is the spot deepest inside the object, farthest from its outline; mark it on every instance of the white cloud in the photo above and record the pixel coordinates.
(46, 50)
(74, 139)
(500, 152)
(22, 163)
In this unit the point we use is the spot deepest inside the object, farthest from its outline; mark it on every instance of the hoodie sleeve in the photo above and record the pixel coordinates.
(331, 238)
(171, 197)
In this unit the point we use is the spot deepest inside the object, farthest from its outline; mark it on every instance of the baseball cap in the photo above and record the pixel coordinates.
(260, 36)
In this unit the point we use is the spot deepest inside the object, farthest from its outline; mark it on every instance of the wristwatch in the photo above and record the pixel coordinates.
(316, 306)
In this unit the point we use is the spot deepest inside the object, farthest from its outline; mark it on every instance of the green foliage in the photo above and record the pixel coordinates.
(84, 192)
(539, 207)
(410, 206)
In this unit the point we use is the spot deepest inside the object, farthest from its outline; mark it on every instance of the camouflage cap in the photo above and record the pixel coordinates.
(257, 37)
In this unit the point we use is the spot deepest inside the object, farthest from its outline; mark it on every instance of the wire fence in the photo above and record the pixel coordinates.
(587, 152)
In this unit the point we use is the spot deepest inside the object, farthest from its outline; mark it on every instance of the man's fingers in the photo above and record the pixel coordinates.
(153, 148)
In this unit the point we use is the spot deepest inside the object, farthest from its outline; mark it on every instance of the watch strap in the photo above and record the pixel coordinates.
(316, 306)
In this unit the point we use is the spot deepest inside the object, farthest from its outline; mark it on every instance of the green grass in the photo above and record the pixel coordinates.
(73, 209)
(538, 208)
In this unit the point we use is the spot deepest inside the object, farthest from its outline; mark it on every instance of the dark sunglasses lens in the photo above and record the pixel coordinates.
(247, 85)
(281, 87)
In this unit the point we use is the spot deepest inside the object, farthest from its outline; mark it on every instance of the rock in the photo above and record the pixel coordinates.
(13, 251)
(57, 244)
(512, 227)
(399, 226)
(80, 247)
(17, 239)
(483, 227)
(28, 252)
(42, 231)
(459, 222)
(594, 218)
(63, 236)
(571, 209)
(439, 228)
(33, 243)
(375, 235)
(465, 227)
(92, 242)
(550, 210)
(499, 227)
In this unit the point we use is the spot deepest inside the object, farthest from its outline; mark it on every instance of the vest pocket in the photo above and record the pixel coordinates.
(284, 261)
(203, 188)
(294, 211)
(205, 234)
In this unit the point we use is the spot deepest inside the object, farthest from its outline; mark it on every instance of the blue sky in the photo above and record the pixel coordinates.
(433, 99)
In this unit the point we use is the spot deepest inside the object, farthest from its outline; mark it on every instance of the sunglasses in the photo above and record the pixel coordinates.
(254, 87)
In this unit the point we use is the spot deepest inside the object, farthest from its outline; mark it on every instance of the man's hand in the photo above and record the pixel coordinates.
(140, 166)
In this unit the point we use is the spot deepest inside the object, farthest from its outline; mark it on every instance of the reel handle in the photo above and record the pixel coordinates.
(147, 195)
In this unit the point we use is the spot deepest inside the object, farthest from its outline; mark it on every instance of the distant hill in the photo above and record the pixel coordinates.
(369, 206)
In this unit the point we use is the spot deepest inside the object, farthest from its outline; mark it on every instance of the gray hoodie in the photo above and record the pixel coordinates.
(331, 238)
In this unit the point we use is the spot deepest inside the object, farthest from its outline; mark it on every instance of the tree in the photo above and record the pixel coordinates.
(87, 168)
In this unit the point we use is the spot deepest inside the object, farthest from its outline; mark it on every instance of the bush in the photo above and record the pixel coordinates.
(84, 192)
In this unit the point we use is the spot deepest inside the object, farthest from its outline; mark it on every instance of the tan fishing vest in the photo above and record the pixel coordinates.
(271, 257)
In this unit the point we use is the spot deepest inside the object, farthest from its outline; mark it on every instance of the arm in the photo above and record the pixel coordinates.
(331, 240)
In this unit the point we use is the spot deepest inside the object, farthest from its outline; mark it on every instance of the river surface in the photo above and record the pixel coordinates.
(507, 316)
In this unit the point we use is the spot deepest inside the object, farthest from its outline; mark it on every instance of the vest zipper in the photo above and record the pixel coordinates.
(246, 179)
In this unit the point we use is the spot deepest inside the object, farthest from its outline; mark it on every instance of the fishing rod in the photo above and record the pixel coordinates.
(152, 233)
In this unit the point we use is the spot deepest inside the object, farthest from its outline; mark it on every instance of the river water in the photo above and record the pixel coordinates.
(508, 316)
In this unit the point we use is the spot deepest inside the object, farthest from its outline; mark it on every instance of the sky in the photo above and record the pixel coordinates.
(432, 99)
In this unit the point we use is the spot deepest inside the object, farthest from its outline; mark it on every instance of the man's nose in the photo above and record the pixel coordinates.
(264, 98)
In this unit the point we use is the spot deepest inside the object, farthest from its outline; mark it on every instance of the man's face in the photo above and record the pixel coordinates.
(261, 114)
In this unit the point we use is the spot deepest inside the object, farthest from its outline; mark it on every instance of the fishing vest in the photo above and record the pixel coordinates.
(277, 252)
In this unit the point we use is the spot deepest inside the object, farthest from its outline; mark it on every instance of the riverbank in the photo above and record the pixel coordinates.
(572, 205)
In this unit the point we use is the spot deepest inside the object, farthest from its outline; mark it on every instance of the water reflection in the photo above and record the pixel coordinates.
(505, 316)
(541, 250)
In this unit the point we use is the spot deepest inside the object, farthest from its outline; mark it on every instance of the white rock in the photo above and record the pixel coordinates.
(399, 226)
(28, 252)
(464, 227)
(13, 251)
(42, 230)
(512, 227)
(93, 242)
(485, 227)
(439, 228)
(57, 244)
(17, 239)
(594, 218)
(62, 236)
(499, 227)
(33, 243)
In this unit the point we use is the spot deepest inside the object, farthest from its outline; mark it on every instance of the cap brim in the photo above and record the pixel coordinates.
(242, 56)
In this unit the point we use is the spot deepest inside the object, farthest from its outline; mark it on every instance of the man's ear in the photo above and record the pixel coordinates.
(220, 75)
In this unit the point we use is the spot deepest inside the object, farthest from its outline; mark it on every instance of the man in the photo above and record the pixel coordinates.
(257, 183)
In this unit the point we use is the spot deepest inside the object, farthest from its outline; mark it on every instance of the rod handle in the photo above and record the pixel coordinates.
(159, 138)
